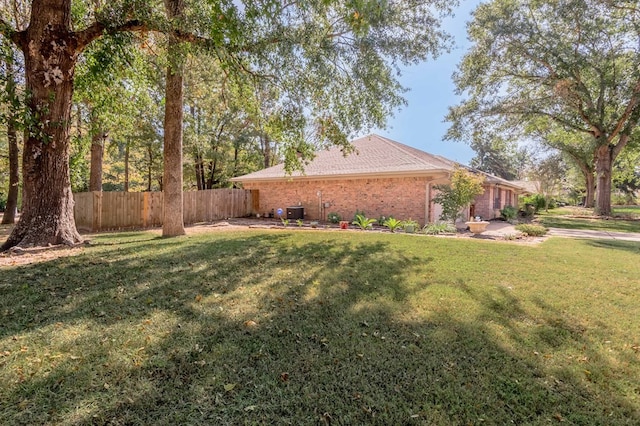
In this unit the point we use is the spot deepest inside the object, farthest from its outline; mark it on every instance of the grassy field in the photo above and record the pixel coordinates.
(279, 327)
(625, 219)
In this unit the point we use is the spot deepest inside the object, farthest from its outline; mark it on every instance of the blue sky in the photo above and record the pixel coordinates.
(421, 124)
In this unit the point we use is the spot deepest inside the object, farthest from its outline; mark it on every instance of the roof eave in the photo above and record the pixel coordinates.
(368, 175)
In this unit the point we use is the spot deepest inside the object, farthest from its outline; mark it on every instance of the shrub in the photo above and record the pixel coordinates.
(358, 213)
(392, 224)
(363, 222)
(409, 225)
(509, 212)
(299, 222)
(531, 229)
(464, 188)
(439, 228)
(334, 217)
(538, 201)
(285, 222)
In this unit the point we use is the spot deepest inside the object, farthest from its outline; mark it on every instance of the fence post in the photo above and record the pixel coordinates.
(96, 224)
(145, 209)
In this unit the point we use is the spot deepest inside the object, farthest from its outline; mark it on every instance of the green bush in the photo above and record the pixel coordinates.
(363, 222)
(509, 212)
(538, 201)
(358, 213)
(392, 224)
(334, 217)
(531, 229)
(465, 187)
(626, 199)
(439, 228)
(410, 226)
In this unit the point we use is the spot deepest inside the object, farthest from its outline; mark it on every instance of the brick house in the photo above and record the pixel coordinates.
(381, 178)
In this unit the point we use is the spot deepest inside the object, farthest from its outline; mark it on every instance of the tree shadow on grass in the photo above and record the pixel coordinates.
(268, 329)
(630, 246)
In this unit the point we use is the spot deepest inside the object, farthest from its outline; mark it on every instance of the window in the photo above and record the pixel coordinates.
(497, 201)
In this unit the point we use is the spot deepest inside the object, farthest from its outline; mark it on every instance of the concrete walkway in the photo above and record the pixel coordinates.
(500, 229)
(602, 235)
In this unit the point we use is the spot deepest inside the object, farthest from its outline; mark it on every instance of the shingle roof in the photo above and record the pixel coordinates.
(374, 155)
(529, 186)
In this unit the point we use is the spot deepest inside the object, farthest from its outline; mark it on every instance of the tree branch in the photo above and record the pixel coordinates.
(632, 107)
(8, 32)
(97, 29)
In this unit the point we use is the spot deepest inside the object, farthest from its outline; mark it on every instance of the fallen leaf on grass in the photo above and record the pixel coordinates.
(229, 387)
(250, 324)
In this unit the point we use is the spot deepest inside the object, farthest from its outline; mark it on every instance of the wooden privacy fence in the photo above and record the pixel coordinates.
(96, 211)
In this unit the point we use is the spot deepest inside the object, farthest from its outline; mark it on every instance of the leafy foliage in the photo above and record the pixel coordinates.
(335, 65)
(538, 64)
(531, 230)
(438, 228)
(392, 223)
(509, 212)
(464, 188)
(358, 212)
(364, 222)
(410, 226)
(497, 156)
(538, 201)
(334, 217)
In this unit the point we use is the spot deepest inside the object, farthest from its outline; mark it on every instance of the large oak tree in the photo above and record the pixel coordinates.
(571, 61)
(336, 64)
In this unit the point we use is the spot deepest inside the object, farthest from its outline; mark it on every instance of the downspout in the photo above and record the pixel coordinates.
(427, 207)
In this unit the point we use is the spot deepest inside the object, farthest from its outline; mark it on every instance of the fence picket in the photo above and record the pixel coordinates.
(98, 211)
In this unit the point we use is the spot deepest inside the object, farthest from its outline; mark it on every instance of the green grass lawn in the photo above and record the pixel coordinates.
(625, 219)
(303, 327)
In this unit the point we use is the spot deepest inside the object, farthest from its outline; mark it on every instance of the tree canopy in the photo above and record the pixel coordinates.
(335, 64)
(574, 62)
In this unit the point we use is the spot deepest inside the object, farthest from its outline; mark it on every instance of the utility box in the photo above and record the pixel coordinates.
(295, 212)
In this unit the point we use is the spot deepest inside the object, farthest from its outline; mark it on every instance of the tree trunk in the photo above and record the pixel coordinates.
(604, 165)
(50, 56)
(236, 152)
(589, 200)
(126, 168)
(149, 168)
(199, 166)
(9, 216)
(266, 150)
(173, 221)
(98, 139)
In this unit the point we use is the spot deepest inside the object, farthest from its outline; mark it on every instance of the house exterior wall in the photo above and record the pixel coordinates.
(494, 199)
(402, 198)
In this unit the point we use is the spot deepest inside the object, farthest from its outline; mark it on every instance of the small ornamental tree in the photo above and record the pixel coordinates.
(465, 187)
